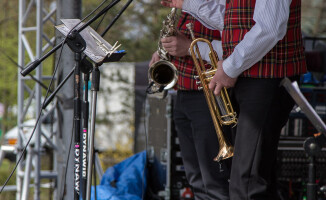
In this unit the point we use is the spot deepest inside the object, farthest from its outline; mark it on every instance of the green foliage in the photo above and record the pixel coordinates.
(9, 57)
(8, 48)
(5, 168)
(137, 29)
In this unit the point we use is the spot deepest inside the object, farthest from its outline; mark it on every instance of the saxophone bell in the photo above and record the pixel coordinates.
(163, 75)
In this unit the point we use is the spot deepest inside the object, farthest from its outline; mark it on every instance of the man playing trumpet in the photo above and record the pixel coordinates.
(262, 44)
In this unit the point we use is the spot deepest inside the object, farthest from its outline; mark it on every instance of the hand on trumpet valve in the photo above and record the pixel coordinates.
(220, 80)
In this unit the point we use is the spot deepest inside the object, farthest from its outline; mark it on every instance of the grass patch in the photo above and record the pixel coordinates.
(5, 169)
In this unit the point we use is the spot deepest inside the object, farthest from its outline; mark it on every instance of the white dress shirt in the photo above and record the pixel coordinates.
(271, 17)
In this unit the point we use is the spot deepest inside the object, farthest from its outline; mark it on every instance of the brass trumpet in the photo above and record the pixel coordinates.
(220, 106)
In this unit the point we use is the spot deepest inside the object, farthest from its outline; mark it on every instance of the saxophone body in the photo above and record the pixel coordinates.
(162, 75)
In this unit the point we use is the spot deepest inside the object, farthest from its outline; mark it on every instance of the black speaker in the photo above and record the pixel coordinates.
(166, 175)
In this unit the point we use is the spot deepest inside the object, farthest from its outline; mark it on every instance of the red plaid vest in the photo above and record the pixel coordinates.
(185, 65)
(285, 59)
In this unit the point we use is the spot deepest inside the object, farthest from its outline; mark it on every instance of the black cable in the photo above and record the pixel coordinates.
(99, 23)
(17, 65)
(47, 92)
(68, 157)
(24, 149)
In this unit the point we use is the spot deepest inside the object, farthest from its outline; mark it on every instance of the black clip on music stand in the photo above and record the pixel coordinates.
(312, 145)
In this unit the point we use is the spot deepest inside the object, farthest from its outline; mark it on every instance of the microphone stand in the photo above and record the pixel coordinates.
(86, 69)
(76, 43)
(95, 89)
(77, 116)
(312, 145)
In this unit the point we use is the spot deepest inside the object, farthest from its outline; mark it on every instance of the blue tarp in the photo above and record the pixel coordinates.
(124, 181)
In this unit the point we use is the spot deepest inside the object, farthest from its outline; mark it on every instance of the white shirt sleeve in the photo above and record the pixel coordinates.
(210, 13)
(271, 17)
(204, 49)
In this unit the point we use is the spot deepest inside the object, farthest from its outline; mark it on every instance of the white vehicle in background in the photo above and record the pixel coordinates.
(8, 147)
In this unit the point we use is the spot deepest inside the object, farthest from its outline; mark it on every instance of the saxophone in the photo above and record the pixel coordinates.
(162, 75)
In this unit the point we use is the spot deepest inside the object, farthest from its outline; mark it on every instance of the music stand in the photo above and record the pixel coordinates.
(99, 51)
(312, 145)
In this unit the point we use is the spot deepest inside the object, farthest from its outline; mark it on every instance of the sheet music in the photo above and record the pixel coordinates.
(97, 49)
(295, 92)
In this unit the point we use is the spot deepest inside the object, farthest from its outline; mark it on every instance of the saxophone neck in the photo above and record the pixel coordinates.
(174, 11)
(168, 29)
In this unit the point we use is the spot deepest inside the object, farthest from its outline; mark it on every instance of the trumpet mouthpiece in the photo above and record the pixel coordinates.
(190, 27)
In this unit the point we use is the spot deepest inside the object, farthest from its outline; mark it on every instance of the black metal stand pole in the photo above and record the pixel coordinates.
(77, 117)
(85, 107)
(311, 185)
(313, 146)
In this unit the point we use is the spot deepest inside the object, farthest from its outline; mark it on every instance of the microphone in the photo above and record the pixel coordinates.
(30, 67)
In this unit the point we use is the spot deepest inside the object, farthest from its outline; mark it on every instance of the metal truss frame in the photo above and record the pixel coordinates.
(33, 18)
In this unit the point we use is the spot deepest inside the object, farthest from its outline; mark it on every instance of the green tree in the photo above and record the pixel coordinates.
(9, 56)
(137, 29)
(8, 48)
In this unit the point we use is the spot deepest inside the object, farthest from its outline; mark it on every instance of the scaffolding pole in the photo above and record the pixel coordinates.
(33, 42)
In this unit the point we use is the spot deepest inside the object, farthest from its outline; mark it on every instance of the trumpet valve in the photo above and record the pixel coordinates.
(199, 85)
(210, 73)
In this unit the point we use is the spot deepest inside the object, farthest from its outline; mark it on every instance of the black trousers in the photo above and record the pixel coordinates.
(199, 146)
(263, 108)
